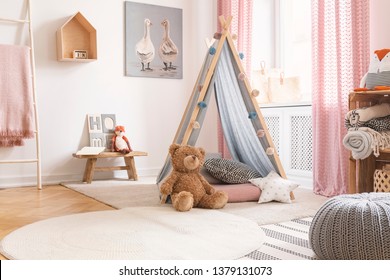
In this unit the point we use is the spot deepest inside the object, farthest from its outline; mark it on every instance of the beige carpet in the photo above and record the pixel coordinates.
(119, 193)
(136, 233)
(123, 193)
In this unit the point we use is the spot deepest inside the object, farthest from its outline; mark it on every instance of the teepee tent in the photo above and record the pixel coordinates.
(245, 131)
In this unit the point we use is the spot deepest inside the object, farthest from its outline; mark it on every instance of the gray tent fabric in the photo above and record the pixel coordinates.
(240, 135)
(234, 107)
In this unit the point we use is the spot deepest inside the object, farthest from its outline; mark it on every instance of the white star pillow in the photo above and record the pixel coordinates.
(274, 187)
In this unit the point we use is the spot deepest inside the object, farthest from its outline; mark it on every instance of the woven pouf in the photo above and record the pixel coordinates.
(352, 227)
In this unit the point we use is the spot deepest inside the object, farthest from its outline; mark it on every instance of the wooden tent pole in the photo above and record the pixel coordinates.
(205, 86)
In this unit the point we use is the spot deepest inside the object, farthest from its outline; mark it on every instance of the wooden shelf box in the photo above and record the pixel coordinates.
(361, 172)
(77, 34)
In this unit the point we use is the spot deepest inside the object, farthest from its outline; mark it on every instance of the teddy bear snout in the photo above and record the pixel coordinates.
(191, 162)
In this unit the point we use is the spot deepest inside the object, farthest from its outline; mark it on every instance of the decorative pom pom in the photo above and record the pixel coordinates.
(241, 55)
(217, 35)
(202, 104)
(270, 151)
(255, 93)
(252, 115)
(212, 51)
(234, 36)
(260, 133)
(195, 125)
(241, 76)
(200, 87)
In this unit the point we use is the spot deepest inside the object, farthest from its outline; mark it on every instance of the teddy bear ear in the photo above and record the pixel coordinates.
(173, 148)
(202, 151)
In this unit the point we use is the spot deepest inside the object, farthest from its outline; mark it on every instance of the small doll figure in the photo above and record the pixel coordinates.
(120, 143)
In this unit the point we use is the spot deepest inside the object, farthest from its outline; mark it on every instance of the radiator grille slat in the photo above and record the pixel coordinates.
(301, 143)
(273, 123)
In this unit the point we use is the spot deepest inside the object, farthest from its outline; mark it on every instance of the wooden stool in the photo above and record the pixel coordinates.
(90, 166)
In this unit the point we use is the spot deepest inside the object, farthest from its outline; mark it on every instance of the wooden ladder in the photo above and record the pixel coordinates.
(37, 159)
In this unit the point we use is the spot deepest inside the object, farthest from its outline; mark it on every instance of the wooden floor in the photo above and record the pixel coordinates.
(25, 205)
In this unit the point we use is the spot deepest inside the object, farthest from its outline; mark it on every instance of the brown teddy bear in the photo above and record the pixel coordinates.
(187, 187)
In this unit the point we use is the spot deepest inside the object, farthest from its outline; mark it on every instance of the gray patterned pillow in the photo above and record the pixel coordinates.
(230, 171)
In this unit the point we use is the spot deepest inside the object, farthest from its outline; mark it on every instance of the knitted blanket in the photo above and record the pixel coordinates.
(16, 114)
(364, 141)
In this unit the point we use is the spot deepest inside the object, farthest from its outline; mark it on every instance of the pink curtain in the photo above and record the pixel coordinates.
(241, 25)
(340, 33)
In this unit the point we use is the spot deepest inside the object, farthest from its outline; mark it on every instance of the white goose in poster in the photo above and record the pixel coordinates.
(168, 51)
(145, 48)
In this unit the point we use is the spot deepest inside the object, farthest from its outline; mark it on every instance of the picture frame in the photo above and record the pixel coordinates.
(80, 54)
(153, 41)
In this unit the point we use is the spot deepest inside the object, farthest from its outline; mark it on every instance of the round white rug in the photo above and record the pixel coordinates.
(137, 233)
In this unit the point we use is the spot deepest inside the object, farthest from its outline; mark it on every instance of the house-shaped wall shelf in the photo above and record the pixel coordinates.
(77, 34)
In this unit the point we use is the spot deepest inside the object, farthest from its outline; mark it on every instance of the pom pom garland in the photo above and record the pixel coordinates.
(202, 104)
(241, 55)
(270, 151)
(234, 37)
(212, 50)
(255, 93)
(252, 115)
(260, 133)
(241, 76)
(195, 125)
(217, 36)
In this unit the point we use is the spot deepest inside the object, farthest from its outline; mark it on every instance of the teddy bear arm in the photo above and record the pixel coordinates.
(206, 185)
(167, 186)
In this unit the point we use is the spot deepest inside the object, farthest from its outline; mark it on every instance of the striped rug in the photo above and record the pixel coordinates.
(285, 241)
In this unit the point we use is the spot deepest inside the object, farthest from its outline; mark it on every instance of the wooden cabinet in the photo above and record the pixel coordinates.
(361, 172)
(76, 40)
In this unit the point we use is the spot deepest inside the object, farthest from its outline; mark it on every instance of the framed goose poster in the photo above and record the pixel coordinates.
(154, 41)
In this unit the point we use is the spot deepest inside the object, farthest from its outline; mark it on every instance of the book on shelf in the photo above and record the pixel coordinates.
(91, 150)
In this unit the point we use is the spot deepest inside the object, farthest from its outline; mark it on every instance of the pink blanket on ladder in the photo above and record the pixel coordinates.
(16, 108)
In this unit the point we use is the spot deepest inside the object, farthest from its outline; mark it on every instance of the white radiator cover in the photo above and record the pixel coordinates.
(292, 133)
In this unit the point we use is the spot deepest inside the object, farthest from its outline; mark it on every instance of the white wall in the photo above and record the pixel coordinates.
(379, 22)
(150, 108)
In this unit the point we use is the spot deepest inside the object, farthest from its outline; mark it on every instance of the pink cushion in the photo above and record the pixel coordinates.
(240, 192)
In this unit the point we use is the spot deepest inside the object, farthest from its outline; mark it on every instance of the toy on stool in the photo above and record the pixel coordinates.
(186, 186)
(120, 143)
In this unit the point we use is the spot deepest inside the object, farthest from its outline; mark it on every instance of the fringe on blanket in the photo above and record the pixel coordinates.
(14, 138)
(364, 141)
(381, 141)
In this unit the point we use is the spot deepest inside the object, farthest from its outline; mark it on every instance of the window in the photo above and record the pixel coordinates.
(281, 43)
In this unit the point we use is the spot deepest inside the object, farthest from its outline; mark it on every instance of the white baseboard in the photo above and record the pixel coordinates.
(28, 181)
(304, 182)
